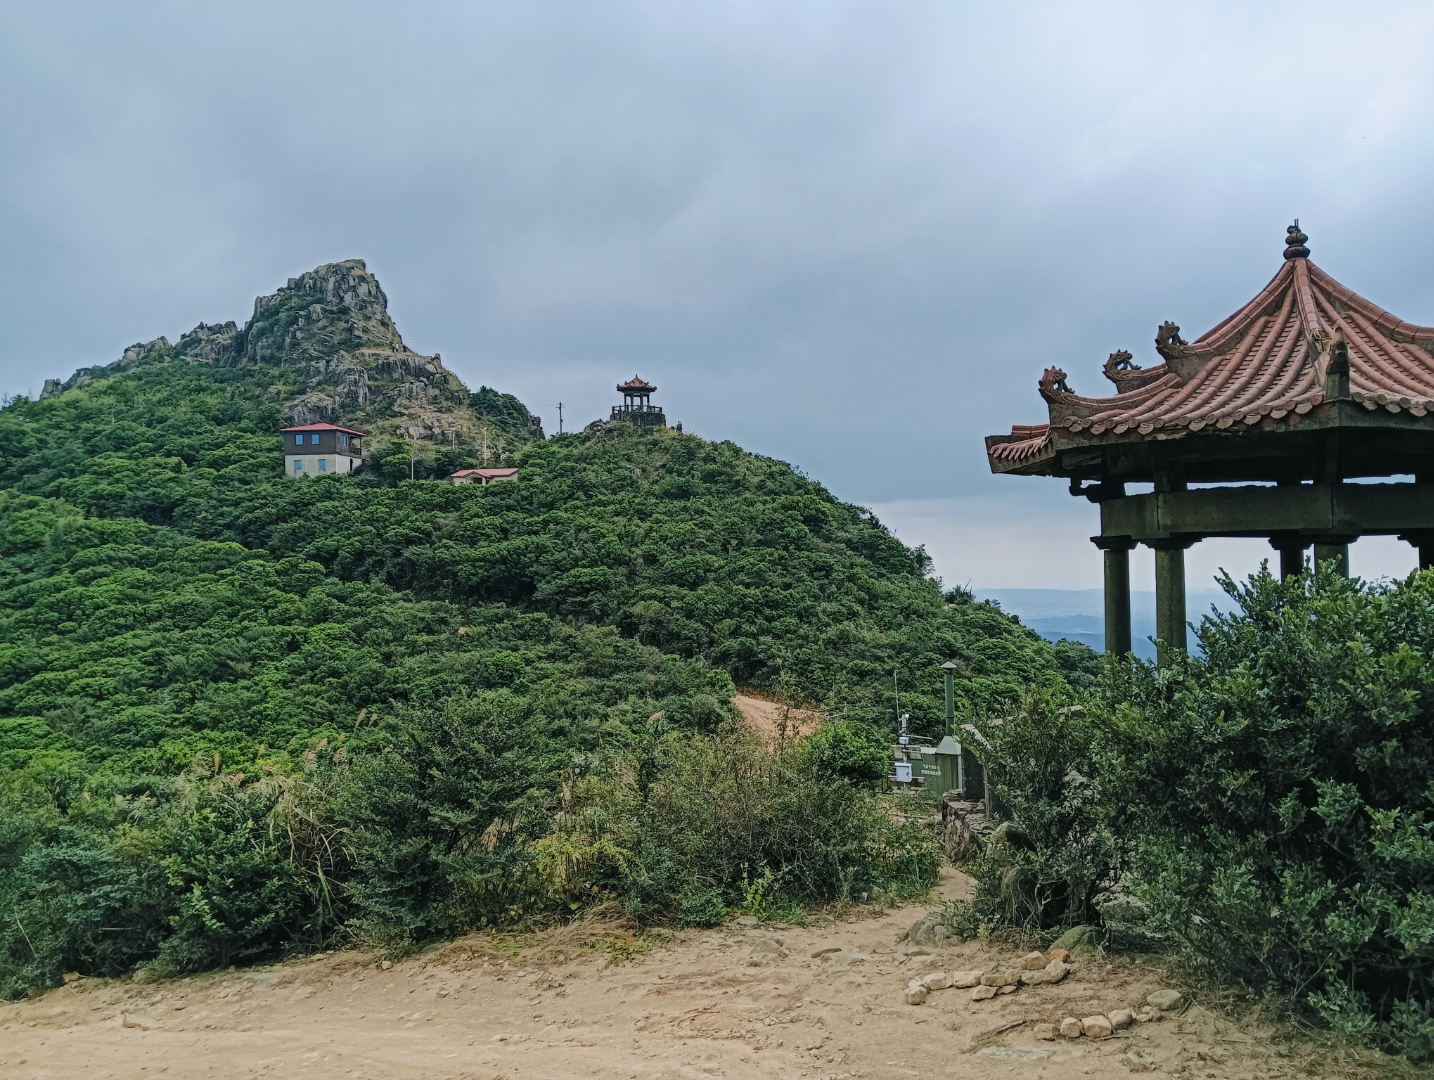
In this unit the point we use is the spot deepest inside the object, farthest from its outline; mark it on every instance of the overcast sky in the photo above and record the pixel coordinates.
(848, 235)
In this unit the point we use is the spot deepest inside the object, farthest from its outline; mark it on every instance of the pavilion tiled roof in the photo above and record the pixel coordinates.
(1268, 360)
(635, 385)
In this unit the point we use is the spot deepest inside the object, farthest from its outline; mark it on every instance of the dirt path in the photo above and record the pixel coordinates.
(771, 719)
(702, 1005)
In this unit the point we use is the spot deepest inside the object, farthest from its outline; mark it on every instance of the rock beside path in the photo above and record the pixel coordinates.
(1078, 939)
(1096, 1027)
(1166, 1000)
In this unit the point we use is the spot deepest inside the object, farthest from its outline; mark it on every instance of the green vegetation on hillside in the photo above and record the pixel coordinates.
(243, 714)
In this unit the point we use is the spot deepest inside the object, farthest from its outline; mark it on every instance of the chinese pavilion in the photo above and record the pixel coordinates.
(636, 407)
(1306, 386)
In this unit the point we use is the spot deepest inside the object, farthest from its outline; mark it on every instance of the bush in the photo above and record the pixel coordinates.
(702, 907)
(1284, 789)
(725, 818)
(1268, 804)
(850, 750)
(1060, 859)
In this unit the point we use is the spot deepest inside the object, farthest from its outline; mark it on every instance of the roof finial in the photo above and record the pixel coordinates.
(1295, 242)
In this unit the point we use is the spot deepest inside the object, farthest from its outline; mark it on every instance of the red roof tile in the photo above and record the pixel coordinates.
(322, 427)
(635, 385)
(1266, 360)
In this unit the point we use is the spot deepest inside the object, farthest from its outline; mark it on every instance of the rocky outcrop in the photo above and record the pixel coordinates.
(207, 344)
(310, 409)
(331, 353)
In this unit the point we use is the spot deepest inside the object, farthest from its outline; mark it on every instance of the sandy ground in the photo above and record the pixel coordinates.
(698, 1005)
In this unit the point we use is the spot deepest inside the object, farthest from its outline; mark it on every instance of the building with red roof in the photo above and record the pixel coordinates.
(321, 449)
(483, 476)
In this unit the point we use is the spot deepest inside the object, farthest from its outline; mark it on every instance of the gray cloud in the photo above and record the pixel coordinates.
(846, 234)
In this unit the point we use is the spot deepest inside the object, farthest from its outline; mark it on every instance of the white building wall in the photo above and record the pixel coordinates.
(342, 464)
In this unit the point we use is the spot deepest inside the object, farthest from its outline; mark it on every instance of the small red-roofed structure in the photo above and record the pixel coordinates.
(1302, 388)
(321, 449)
(483, 476)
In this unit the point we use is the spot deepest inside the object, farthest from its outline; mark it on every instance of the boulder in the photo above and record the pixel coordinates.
(1033, 978)
(965, 979)
(983, 993)
(937, 980)
(1095, 1027)
(768, 949)
(928, 930)
(1055, 971)
(1120, 1019)
(1078, 939)
(1009, 988)
(1070, 1028)
(1004, 839)
(1059, 954)
(1045, 1031)
(999, 978)
(915, 994)
(1032, 961)
(1165, 1000)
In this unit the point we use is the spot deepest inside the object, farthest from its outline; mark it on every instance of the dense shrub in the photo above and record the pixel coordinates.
(1269, 804)
(687, 821)
(103, 874)
(850, 750)
(1059, 858)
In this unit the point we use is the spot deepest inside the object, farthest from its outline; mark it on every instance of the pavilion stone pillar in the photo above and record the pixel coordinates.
(1170, 629)
(1117, 592)
(1292, 555)
(1336, 550)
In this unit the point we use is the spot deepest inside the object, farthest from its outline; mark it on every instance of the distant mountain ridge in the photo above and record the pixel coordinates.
(329, 332)
(1079, 614)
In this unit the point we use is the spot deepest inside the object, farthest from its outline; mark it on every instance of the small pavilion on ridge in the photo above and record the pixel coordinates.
(1250, 430)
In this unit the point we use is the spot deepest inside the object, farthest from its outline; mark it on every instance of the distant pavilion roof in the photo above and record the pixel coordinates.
(1265, 368)
(635, 385)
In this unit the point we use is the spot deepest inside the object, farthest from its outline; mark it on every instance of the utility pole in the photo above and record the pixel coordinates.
(560, 418)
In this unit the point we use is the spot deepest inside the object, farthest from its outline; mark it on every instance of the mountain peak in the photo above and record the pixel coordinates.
(333, 354)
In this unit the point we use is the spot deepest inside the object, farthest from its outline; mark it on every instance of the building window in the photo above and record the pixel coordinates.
(298, 464)
(314, 438)
(299, 440)
(323, 464)
(343, 440)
